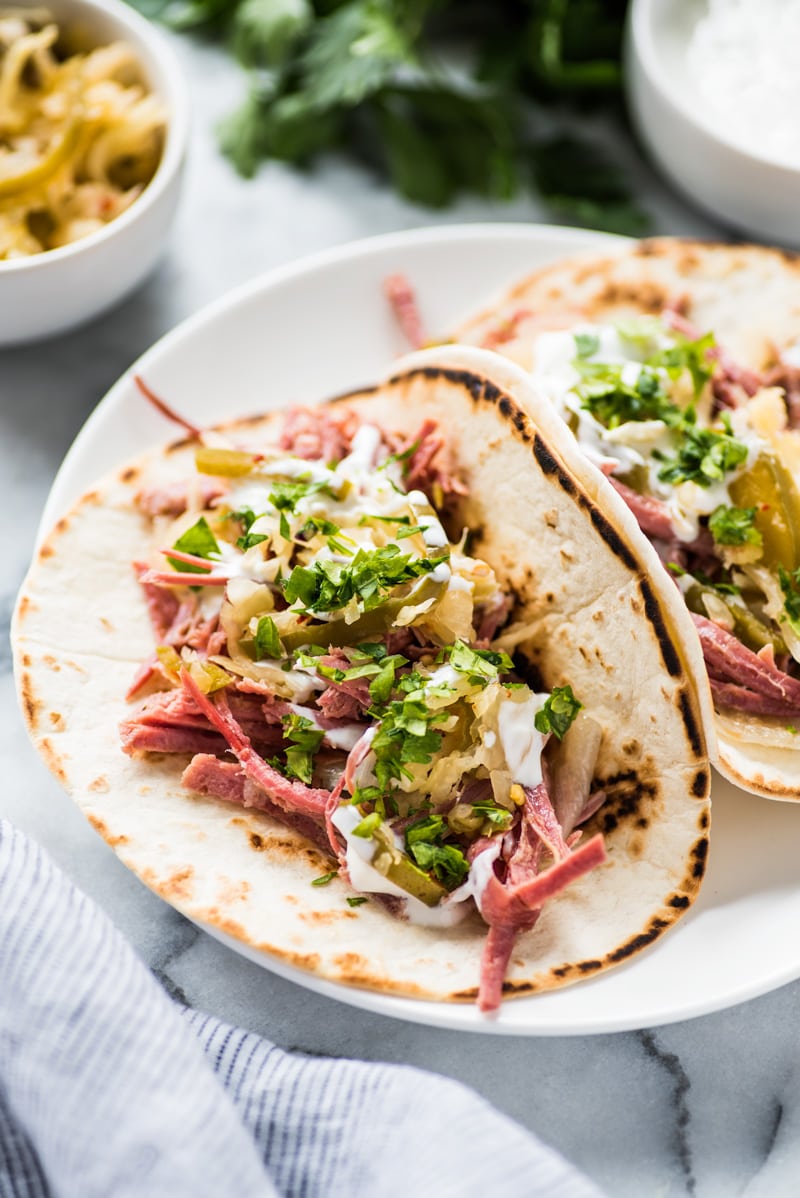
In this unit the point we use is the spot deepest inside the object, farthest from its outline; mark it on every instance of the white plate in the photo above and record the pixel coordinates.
(321, 327)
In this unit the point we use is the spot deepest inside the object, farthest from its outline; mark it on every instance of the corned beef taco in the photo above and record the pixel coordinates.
(677, 366)
(382, 688)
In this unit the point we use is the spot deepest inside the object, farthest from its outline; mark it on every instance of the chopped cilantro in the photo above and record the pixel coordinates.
(266, 641)
(703, 455)
(403, 457)
(499, 817)
(198, 540)
(285, 496)
(404, 737)
(425, 845)
(446, 861)
(411, 531)
(383, 683)
(249, 539)
(688, 355)
(324, 879)
(559, 711)
(586, 344)
(369, 824)
(481, 665)
(285, 527)
(613, 401)
(790, 585)
(304, 740)
(329, 586)
(356, 900)
(734, 526)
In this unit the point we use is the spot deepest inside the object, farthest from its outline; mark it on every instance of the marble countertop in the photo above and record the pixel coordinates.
(707, 1108)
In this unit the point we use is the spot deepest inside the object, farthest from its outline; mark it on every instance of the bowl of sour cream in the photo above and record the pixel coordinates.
(714, 91)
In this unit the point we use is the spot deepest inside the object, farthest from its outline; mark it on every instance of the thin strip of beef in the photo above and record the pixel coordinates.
(728, 660)
(172, 499)
(287, 793)
(314, 434)
(227, 780)
(739, 698)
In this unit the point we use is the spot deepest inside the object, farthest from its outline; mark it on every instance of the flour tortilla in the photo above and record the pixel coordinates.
(750, 297)
(552, 530)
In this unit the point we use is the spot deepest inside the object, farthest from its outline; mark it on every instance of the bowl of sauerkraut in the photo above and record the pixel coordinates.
(93, 130)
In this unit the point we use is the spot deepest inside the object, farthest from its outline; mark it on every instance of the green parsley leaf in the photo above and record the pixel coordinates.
(481, 665)
(285, 496)
(198, 540)
(324, 879)
(266, 641)
(734, 526)
(304, 740)
(430, 829)
(329, 586)
(703, 455)
(790, 585)
(285, 527)
(445, 861)
(586, 344)
(249, 539)
(369, 824)
(688, 355)
(613, 401)
(411, 531)
(559, 710)
(382, 684)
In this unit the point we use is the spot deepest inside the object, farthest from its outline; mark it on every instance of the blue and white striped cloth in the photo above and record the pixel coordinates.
(110, 1090)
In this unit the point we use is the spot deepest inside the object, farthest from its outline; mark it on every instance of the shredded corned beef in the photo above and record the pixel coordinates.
(172, 499)
(511, 903)
(507, 330)
(652, 514)
(788, 377)
(314, 433)
(403, 303)
(344, 700)
(287, 793)
(730, 662)
(227, 780)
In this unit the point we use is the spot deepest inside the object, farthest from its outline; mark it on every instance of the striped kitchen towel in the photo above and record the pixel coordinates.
(108, 1089)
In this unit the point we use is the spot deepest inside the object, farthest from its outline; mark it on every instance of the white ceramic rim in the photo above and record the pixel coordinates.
(640, 20)
(173, 91)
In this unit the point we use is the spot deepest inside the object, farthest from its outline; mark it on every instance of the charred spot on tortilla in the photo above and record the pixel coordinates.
(700, 788)
(129, 474)
(637, 943)
(680, 901)
(690, 722)
(669, 655)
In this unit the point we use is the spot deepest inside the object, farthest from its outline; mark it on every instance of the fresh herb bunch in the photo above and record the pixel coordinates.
(443, 96)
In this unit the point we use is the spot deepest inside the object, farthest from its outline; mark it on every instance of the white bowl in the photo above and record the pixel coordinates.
(742, 187)
(53, 291)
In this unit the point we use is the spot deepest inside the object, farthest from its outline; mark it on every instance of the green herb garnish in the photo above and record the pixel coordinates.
(703, 455)
(734, 526)
(325, 878)
(198, 540)
(304, 740)
(266, 640)
(560, 709)
(329, 586)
